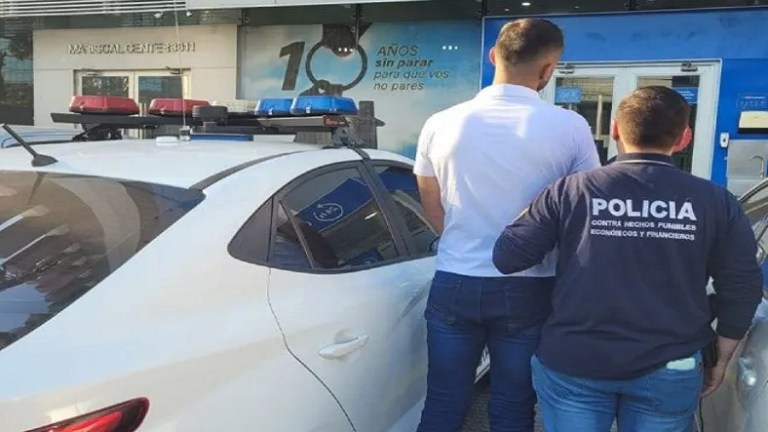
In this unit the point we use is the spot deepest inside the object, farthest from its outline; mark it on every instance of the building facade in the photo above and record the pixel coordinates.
(402, 60)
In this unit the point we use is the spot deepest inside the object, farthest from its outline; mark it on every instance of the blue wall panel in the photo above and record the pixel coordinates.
(738, 37)
(739, 77)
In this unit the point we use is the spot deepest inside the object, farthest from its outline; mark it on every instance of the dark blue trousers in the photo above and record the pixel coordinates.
(464, 315)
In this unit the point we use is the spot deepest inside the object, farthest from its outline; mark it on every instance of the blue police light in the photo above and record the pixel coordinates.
(319, 105)
(274, 107)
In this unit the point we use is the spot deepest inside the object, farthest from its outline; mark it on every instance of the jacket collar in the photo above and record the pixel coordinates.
(645, 157)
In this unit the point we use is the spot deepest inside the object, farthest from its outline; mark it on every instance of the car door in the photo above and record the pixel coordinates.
(399, 182)
(343, 291)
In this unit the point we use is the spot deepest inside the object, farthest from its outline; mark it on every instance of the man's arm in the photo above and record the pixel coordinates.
(737, 280)
(585, 152)
(532, 235)
(429, 188)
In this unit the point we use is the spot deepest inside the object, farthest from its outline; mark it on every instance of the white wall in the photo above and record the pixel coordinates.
(213, 64)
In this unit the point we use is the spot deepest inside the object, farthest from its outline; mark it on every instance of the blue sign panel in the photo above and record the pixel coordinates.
(753, 102)
(567, 95)
(337, 205)
(691, 94)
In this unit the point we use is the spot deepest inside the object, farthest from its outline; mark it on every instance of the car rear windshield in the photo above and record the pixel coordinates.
(60, 235)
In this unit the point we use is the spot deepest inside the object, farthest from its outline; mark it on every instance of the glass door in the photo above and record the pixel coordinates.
(142, 86)
(590, 91)
(698, 85)
(98, 83)
(594, 91)
(153, 85)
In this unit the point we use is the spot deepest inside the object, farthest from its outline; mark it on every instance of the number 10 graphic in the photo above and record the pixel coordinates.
(342, 41)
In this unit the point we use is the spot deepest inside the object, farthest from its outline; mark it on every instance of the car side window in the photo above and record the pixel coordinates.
(756, 209)
(339, 221)
(401, 184)
(287, 249)
(762, 254)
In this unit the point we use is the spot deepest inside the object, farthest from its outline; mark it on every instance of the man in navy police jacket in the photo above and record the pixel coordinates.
(638, 241)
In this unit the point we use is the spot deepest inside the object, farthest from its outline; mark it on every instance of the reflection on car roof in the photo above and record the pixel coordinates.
(182, 164)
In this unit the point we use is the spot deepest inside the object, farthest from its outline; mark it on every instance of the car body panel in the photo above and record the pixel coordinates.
(382, 305)
(181, 164)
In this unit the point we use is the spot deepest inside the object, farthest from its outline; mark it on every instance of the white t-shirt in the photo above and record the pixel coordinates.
(491, 156)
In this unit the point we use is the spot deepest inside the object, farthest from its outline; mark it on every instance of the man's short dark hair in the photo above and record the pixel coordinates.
(524, 40)
(653, 117)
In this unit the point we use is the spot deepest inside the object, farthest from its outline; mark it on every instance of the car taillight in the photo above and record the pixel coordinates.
(124, 417)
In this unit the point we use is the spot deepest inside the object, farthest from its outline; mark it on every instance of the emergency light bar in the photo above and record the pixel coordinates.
(103, 117)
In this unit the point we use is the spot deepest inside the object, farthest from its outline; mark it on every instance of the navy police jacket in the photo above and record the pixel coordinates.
(638, 241)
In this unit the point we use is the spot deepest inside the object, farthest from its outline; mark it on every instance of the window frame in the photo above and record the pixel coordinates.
(256, 226)
(371, 165)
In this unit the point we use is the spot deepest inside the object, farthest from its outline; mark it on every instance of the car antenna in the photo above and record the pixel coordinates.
(38, 160)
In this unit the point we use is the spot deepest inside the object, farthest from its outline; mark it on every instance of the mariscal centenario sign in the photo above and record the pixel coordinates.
(132, 48)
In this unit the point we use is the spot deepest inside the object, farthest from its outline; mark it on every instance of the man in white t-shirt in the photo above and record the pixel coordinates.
(479, 164)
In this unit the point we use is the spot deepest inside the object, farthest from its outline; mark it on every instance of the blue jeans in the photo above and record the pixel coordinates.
(466, 314)
(664, 400)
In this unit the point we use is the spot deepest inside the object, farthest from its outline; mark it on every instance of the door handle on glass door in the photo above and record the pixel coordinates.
(339, 350)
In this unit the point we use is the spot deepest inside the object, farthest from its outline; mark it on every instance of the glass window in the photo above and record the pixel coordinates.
(402, 187)
(60, 235)
(140, 19)
(761, 255)
(756, 207)
(95, 85)
(340, 221)
(592, 97)
(154, 87)
(287, 250)
(16, 76)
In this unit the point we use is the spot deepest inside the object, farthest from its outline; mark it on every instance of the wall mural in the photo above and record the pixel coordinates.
(399, 73)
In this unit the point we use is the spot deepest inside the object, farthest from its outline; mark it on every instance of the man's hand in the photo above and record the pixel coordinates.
(429, 191)
(713, 377)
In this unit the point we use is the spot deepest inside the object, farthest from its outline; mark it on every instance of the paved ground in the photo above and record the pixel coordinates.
(477, 420)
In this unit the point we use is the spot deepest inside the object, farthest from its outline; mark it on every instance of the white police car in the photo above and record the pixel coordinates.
(227, 280)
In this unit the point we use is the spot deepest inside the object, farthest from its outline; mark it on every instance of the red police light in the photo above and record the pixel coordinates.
(174, 107)
(103, 105)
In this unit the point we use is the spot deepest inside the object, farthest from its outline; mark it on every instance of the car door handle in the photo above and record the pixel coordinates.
(335, 351)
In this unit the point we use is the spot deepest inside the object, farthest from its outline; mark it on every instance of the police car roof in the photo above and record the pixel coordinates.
(183, 164)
